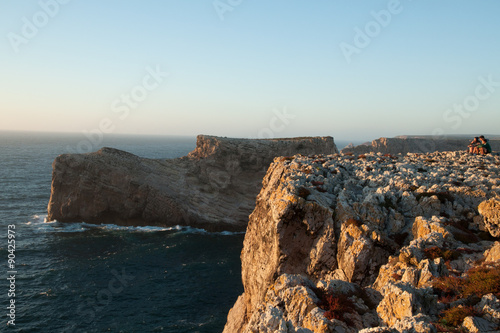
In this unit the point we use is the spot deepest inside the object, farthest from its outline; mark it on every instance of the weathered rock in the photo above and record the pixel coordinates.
(490, 210)
(401, 301)
(490, 307)
(479, 325)
(416, 324)
(363, 227)
(422, 227)
(493, 253)
(214, 187)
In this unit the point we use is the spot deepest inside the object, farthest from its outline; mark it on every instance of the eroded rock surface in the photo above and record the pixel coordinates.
(490, 210)
(374, 231)
(214, 187)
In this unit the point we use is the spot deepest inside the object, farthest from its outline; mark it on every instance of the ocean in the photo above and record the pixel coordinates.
(78, 277)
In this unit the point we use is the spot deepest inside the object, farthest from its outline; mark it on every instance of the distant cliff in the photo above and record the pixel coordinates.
(373, 244)
(214, 187)
(403, 145)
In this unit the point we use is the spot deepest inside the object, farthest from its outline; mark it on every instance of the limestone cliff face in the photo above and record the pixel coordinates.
(214, 187)
(405, 145)
(363, 228)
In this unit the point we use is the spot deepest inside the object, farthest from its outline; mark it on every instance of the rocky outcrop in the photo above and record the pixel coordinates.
(404, 145)
(340, 243)
(214, 187)
(490, 210)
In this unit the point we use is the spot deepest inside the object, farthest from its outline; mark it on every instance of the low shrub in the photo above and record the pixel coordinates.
(482, 280)
(337, 305)
(444, 328)
(455, 316)
(448, 288)
(478, 282)
(436, 252)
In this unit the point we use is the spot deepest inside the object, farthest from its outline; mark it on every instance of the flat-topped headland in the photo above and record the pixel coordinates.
(373, 243)
(213, 187)
(415, 144)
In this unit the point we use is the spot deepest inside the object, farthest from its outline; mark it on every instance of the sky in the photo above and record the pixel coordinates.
(238, 68)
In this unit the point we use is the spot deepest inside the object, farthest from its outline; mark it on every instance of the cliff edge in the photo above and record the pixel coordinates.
(404, 145)
(213, 187)
(373, 243)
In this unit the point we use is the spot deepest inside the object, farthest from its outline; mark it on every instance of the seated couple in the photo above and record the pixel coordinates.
(479, 146)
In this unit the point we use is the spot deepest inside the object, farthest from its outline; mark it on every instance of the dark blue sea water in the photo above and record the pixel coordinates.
(87, 278)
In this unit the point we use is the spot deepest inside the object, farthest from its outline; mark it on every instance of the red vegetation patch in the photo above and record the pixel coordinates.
(316, 183)
(337, 305)
(478, 281)
(436, 252)
(455, 316)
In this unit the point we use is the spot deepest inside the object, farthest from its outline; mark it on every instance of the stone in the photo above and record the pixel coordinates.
(490, 306)
(479, 325)
(493, 253)
(423, 226)
(401, 300)
(490, 210)
(416, 324)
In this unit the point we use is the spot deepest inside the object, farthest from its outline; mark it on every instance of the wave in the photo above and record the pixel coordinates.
(40, 224)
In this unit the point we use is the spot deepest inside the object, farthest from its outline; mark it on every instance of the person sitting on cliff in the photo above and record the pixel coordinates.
(484, 147)
(473, 145)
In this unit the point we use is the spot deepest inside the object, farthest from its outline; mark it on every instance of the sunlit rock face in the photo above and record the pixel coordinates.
(378, 229)
(214, 187)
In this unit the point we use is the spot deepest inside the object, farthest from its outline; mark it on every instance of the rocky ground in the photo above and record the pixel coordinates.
(373, 243)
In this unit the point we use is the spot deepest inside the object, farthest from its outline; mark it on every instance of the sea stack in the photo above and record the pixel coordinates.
(214, 187)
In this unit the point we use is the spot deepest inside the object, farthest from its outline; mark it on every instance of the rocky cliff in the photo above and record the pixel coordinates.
(373, 243)
(403, 145)
(214, 187)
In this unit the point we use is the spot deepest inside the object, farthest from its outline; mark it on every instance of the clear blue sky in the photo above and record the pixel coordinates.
(251, 68)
